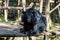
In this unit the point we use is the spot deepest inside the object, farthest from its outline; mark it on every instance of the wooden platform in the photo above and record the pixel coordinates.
(7, 29)
(10, 30)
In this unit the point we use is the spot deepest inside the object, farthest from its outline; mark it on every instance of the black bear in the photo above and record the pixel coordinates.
(34, 21)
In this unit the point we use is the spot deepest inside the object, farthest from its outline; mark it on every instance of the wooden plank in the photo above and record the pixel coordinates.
(7, 29)
(34, 38)
(18, 38)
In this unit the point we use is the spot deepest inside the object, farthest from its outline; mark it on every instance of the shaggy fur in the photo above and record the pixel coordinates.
(34, 21)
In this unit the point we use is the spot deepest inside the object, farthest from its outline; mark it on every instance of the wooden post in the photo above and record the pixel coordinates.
(24, 4)
(19, 18)
(47, 13)
(19, 38)
(19, 6)
(6, 2)
(47, 17)
(41, 5)
(34, 38)
(24, 8)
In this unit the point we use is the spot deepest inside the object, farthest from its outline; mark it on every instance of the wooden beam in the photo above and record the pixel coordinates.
(16, 8)
(54, 8)
(11, 8)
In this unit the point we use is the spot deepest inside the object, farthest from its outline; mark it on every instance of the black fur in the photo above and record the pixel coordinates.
(34, 21)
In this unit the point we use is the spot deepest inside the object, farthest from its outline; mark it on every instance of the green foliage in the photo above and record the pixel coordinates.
(40, 37)
(1, 19)
(1, 1)
(13, 3)
(52, 25)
